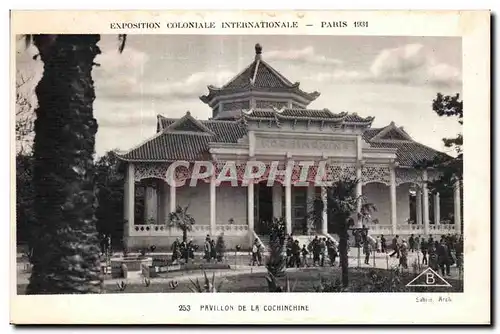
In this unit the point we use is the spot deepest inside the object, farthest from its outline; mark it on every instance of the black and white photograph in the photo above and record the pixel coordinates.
(239, 163)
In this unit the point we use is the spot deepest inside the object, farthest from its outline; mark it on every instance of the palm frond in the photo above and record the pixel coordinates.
(122, 39)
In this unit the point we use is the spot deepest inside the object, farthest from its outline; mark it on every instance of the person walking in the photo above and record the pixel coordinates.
(395, 247)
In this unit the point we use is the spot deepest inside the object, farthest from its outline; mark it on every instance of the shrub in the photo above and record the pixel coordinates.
(277, 262)
(274, 286)
(208, 286)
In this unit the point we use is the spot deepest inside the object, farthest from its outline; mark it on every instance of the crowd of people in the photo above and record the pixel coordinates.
(185, 250)
(437, 254)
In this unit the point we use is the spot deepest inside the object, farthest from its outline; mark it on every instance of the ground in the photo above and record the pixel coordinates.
(245, 278)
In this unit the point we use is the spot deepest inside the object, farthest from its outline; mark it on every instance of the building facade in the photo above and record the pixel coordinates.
(261, 119)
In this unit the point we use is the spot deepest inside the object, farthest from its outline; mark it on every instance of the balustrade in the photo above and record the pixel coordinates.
(166, 230)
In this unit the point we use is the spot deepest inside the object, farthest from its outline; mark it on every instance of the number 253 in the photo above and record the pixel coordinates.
(184, 308)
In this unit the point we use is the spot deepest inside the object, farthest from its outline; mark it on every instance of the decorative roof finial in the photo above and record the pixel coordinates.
(258, 51)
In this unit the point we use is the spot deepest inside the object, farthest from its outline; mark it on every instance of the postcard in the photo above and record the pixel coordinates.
(297, 167)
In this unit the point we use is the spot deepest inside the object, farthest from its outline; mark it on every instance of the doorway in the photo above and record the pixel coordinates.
(265, 207)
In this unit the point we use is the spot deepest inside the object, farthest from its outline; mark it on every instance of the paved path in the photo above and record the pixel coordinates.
(239, 265)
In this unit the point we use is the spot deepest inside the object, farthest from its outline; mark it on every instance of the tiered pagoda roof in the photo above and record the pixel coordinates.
(258, 76)
(187, 138)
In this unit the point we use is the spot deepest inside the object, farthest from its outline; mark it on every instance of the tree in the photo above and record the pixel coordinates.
(109, 177)
(24, 197)
(450, 169)
(182, 219)
(66, 251)
(277, 262)
(24, 115)
(342, 203)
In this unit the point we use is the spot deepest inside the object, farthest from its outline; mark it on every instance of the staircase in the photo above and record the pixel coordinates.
(264, 240)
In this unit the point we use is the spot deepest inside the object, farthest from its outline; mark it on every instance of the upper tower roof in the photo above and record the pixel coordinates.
(259, 76)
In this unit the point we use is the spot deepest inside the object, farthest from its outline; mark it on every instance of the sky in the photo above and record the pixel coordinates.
(390, 78)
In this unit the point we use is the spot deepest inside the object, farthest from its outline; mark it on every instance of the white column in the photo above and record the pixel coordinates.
(437, 209)
(394, 216)
(150, 204)
(213, 216)
(310, 206)
(173, 200)
(165, 202)
(418, 205)
(324, 221)
(250, 210)
(288, 206)
(277, 200)
(128, 198)
(456, 206)
(425, 203)
(359, 177)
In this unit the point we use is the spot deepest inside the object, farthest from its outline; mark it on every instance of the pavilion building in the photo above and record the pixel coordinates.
(260, 115)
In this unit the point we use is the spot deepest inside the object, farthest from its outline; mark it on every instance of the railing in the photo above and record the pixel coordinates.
(165, 230)
(411, 229)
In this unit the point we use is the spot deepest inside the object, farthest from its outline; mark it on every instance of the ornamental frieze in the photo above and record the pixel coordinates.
(376, 173)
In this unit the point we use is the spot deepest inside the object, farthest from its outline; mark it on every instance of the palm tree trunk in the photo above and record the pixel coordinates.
(184, 235)
(344, 259)
(66, 252)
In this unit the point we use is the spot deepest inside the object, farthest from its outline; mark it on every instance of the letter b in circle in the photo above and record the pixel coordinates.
(429, 278)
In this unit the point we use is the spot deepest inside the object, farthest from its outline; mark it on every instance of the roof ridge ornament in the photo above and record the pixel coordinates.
(258, 51)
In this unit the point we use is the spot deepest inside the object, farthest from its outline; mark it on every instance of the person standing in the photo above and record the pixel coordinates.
(190, 249)
(411, 243)
(383, 244)
(322, 251)
(213, 251)
(433, 258)
(304, 252)
(208, 249)
(417, 243)
(444, 258)
(296, 254)
(377, 244)
(332, 252)
(255, 251)
(367, 249)
(459, 251)
(289, 244)
(424, 248)
(315, 250)
(175, 250)
(403, 260)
